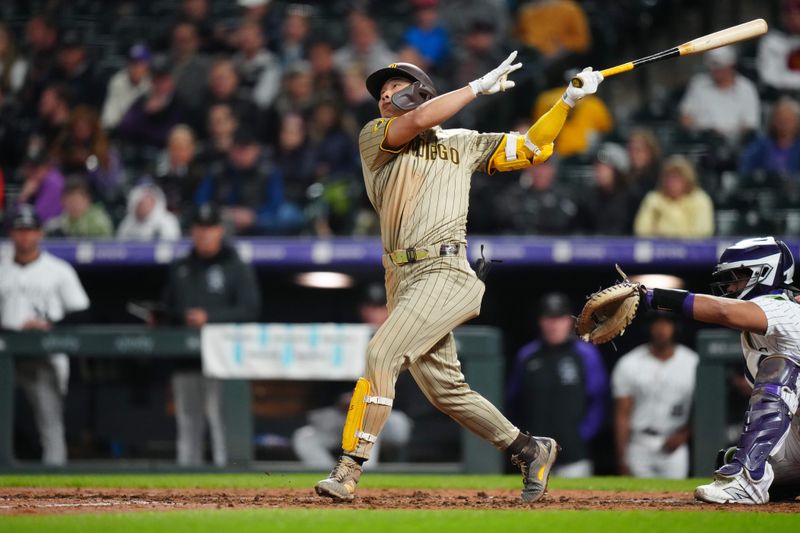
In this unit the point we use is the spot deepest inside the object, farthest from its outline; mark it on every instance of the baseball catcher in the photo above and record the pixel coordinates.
(417, 177)
(755, 296)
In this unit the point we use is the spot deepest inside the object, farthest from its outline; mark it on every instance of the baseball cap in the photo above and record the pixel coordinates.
(139, 52)
(721, 57)
(555, 304)
(244, 137)
(206, 215)
(160, 65)
(614, 155)
(26, 218)
(253, 3)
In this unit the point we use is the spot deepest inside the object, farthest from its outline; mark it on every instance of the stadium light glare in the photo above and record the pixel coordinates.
(324, 280)
(661, 281)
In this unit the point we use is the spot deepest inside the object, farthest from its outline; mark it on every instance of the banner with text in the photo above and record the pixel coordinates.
(285, 351)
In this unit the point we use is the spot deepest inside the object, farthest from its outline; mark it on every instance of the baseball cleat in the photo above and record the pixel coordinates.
(734, 484)
(340, 485)
(536, 468)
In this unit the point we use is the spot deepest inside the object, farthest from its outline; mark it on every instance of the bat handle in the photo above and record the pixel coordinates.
(625, 67)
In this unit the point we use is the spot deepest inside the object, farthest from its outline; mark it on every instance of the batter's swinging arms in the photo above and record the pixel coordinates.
(417, 177)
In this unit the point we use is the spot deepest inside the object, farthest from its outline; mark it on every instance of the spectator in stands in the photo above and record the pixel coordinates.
(83, 147)
(536, 205)
(298, 90)
(221, 125)
(13, 137)
(474, 54)
(178, 171)
(653, 389)
(428, 36)
(198, 13)
(365, 48)
(259, 69)
(360, 104)
(76, 71)
(54, 112)
(336, 152)
(147, 218)
(644, 154)
(565, 32)
(559, 387)
(250, 191)
(189, 65)
(42, 186)
(778, 151)
(295, 33)
(127, 85)
(80, 218)
(224, 88)
(778, 58)
(325, 78)
(41, 35)
(679, 207)
(13, 67)
(605, 209)
(268, 17)
(585, 124)
(154, 114)
(210, 285)
(459, 15)
(38, 291)
(295, 158)
(722, 101)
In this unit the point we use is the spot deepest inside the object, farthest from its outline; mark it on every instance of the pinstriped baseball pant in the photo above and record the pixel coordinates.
(426, 301)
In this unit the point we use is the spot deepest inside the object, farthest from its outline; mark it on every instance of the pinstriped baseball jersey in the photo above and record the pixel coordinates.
(421, 190)
(782, 336)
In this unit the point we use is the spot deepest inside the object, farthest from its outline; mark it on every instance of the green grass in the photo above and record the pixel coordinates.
(342, 520)
(256, 481)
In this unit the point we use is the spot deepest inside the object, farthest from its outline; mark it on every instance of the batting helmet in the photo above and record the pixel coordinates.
(420, 90)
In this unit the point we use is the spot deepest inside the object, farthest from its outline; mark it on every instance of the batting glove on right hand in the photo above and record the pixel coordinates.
(591, 81)
(496, 80)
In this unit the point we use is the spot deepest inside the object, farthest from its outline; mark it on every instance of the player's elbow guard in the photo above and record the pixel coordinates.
(516, 152)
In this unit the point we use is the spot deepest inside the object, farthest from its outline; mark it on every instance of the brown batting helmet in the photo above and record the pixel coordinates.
(420, 90)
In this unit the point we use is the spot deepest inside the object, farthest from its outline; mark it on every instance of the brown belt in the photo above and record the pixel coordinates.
(413, 255)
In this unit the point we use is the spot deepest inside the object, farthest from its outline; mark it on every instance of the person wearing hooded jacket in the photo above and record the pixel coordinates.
(148, 218)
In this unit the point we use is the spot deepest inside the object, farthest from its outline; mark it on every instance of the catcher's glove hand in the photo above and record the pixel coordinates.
(609, 311)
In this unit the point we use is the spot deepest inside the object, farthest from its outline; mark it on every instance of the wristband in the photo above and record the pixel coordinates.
(672, 300)
(568, 99)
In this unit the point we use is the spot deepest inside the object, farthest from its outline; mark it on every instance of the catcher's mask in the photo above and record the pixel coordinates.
(411, 97)
(754, 267)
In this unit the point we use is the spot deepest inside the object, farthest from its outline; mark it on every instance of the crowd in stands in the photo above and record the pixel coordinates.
(116, 118)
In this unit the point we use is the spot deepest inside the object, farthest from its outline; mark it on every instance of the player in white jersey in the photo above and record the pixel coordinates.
(754, 278)
(38, 290)
(653, 387)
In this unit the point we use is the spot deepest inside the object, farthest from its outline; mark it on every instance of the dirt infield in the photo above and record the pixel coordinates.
(26, 501)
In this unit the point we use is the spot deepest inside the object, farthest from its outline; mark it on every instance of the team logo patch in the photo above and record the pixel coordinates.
(215, 279)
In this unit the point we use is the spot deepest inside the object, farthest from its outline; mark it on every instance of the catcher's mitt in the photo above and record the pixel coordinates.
(609, 311)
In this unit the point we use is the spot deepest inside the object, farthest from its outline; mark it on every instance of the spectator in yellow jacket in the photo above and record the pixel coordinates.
(678, 208)
(554, 27)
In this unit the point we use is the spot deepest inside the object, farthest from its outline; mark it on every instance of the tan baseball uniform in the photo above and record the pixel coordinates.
(421, 194)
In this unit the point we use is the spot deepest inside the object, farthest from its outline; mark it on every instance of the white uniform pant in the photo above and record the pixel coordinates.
(646, 459)
(318, 447)
(582, 468)
(43, 380)
(198, 399)
(786, 459)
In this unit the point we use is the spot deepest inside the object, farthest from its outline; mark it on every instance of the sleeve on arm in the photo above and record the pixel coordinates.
(372, 144)
(482, 147)
(783, 316)
(72, 293)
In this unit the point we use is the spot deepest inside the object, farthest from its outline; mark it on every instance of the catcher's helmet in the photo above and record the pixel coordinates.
(420, 90)
(765, 262)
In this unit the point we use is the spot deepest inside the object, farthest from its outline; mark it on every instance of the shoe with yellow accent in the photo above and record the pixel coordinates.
(535, 461)
(341, 483)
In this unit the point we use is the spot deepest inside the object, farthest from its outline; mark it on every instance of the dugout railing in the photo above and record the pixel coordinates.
(479, 348)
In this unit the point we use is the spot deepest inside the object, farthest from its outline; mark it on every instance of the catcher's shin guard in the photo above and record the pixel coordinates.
(354, 423)
(773, 402)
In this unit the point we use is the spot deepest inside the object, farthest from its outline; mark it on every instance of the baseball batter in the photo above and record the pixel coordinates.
(417, 177)
(754, 277)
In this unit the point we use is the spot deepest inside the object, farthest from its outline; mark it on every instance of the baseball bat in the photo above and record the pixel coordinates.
(731, 35)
